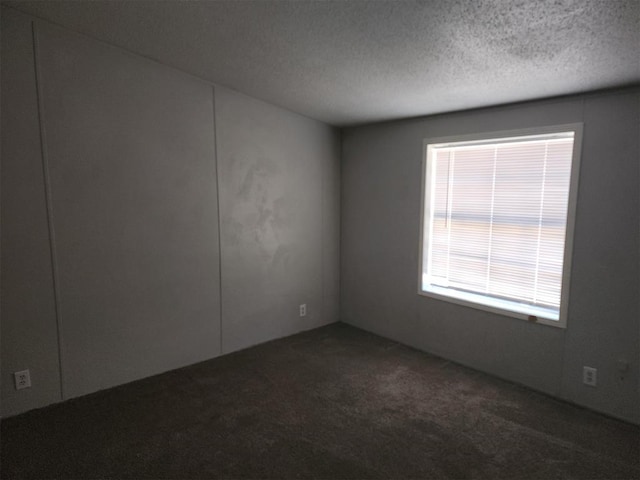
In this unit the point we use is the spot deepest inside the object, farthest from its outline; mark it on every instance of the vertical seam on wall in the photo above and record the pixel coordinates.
(215, 162)
(324, 165)
(339, 221)
(341, 157)
(48, 201)
(563, 366)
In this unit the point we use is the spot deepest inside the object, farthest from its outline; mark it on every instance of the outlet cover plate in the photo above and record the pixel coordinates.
(22, 379)
(590, 376)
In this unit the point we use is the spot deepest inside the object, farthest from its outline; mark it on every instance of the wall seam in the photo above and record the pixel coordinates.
(215, 162)
(323, 240)
(341, 230)
(563, 362)
(339, 222)
(48, 201)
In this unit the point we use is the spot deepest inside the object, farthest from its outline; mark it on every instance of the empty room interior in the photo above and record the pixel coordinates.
(320, 239)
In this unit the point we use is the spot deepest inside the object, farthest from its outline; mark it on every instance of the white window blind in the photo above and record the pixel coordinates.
(496, 221)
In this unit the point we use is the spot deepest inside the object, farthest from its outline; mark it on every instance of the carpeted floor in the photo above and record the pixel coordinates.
(331, 403)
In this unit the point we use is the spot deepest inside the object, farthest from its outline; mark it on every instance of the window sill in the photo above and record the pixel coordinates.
(500, 307)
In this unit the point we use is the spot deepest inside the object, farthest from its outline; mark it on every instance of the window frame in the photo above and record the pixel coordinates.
(425, 215)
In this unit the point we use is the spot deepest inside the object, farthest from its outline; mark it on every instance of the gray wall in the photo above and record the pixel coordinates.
(279, 248)
(118, 262)
(28, 333)
(381, 169)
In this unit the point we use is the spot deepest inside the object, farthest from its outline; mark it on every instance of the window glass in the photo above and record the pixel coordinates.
(495, 221)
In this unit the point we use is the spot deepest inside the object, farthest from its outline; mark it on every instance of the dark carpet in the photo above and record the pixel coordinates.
(331, 403)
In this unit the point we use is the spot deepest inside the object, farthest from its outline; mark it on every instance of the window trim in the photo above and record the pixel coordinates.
(577, 129)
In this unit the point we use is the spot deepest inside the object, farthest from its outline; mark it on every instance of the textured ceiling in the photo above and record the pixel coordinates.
(350, 61)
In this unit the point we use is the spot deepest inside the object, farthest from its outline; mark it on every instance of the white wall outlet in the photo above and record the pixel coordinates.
(303, 310)
(590, 376)
(22, 379)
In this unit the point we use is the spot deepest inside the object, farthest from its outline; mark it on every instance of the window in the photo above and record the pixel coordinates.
(498, 220)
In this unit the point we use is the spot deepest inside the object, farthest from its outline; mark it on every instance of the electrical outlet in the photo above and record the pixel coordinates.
(303, 310)
(22, 379)
(590, 376)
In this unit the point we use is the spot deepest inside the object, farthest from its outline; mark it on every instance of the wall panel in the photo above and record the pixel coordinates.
(130, 152)
(29, 338)
(272, 164)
